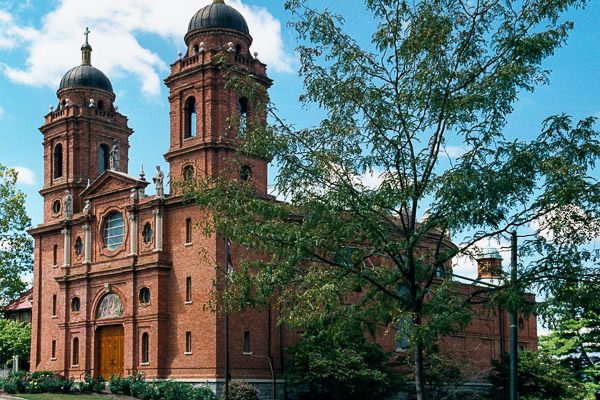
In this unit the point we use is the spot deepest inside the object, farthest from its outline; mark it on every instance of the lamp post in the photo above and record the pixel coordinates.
(514, 392)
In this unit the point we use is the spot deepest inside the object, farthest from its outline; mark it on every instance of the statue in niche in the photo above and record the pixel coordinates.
(110, 307)
(114, 156)
(68, 205)
(159, 182)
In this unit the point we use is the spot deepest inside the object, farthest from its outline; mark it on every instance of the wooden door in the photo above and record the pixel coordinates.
(110, 350)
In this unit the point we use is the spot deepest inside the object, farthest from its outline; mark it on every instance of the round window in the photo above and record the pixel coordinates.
(75, 304)
(144, 295)
(56, 206)
(114, 230)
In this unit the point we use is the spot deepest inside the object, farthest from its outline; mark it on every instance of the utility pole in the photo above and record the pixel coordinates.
(226, 317)
(514, 392)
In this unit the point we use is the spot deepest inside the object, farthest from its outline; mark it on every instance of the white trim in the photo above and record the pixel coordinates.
(188, 244)
(144, 363)
(187, 353)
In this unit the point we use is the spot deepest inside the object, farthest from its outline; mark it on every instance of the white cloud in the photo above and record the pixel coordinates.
(455, 151)
(568, 223)
(25, 176)
(1, 112)
(116, 26)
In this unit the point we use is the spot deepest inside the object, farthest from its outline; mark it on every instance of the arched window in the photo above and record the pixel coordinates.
(188, 173)
(76, 351)
(100, 105)
(144, 347)
(195, 50)
(245, 173)
(78, 246)
(114, 230)
(75, 304)
(243, 114)
(190, 117)
(147, 233)
(238, 49)
(103, 152)
(58, 161)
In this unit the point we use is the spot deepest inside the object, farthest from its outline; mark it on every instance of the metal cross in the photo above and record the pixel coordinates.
(86, 33)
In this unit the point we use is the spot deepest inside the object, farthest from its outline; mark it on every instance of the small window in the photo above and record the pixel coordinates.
(195, 50)
(54, 305)
(103, 153)
(75, 304)
(56, 206)
(188, 289)
(55, 255)
(58, 161)
(245, 173)
(75, 351)
(53, 355)
(100, 105)
(144, 295)
(247, 342)
(114, 230)
(144, 347)
(190, 117)
(188, 230)
(188, 342)
(188, 173)
(147, 233)
(238, 49)
(243, 115)
(78, 246)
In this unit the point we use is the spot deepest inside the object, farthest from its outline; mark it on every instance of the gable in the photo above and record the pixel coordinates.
(110, 182)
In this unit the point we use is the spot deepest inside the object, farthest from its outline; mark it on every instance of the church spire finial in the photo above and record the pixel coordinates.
(86, 50)
(218, 1)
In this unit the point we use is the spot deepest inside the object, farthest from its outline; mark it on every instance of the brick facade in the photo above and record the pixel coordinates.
(163, 260)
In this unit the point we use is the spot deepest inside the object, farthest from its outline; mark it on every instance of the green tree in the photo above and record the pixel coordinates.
(16, 246)
(574, 318)
(541, 377)
(335, 361)
(435, 73)
(15, 340)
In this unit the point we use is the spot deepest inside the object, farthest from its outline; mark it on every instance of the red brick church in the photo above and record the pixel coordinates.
(119, 286)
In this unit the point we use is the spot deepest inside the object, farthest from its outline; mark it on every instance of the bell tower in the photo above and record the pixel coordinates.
(201, 141)
(79, 134)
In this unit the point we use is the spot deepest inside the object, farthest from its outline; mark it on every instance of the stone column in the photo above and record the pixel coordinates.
(133, 234)
(158, 219)
(88, 244)
(67, 260)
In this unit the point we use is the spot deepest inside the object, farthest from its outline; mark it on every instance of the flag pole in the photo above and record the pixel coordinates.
(226, 317)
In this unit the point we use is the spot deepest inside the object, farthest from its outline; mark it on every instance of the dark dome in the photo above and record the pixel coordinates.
(86, 75)
(218, 15)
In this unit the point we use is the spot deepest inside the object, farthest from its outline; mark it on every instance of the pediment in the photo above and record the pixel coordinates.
(113, 182)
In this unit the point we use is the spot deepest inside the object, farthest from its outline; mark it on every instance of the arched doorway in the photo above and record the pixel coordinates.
(109, 338)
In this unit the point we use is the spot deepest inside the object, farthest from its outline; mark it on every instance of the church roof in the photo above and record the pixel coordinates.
(86, 76)
(218, 15)
(22, 303)
(125, 180)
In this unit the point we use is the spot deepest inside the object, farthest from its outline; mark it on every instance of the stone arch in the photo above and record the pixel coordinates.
(108, 305)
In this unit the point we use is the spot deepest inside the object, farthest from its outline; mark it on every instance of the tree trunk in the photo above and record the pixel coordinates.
(419, 377)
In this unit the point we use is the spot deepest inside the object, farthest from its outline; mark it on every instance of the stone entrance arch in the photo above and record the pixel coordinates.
(110, 339)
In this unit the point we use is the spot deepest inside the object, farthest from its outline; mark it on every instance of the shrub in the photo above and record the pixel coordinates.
(145, 390)
(119, 385)
(241, 391)
(172, 390)
(89, 384)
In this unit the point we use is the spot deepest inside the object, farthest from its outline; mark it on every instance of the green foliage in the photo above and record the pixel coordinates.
(15, 340)
(240, 391)
(573, 314)
(39, 382)
(89, 384)
(16, 250)
(146, 390)
(334, 361)
(119, 385)
(172, 390)
(540, 377)
(435, 74)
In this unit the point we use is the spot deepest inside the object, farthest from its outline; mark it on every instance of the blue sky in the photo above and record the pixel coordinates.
(134, 41)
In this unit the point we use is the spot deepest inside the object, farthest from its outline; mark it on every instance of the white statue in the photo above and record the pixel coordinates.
(88, 206)
(159, 182)
(68, 206)
(114, 157)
